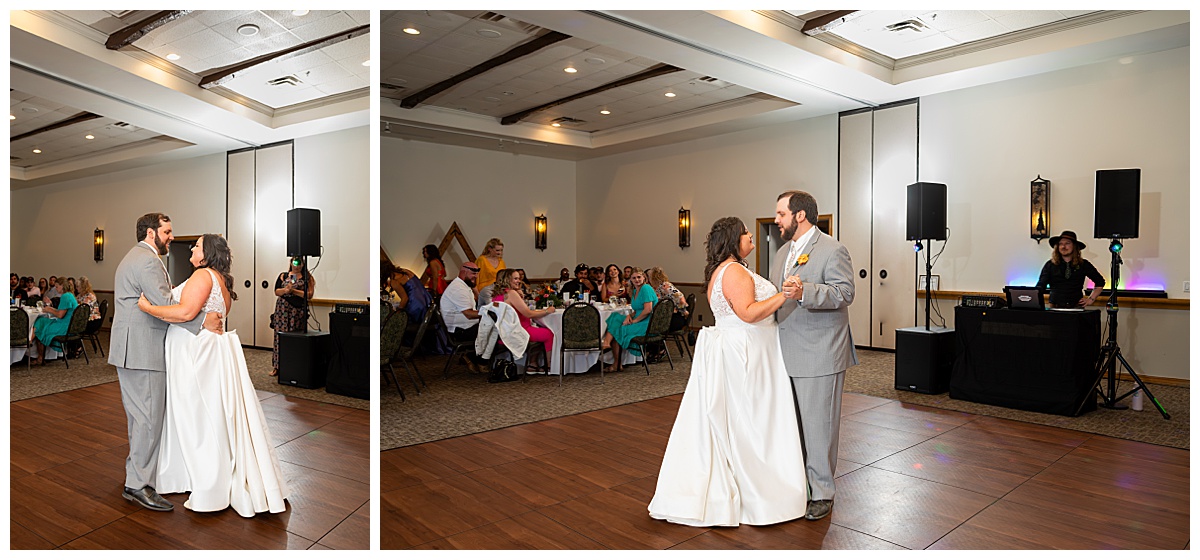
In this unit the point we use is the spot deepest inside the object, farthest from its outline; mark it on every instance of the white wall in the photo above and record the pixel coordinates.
(425, 187)
(629, 203)
(51, 225)
(333, 174)
(987, 143)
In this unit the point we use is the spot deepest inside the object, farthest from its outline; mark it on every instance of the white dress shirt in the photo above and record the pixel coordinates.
(457, 298)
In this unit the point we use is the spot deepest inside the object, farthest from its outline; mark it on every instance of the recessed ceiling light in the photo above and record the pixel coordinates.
(172, 56)
(507, 93)
(29, 109)
(12, 117)
(37, 151)
(412, 31)
(605, 112)
(556, 125)
(248, 30)
(492, 99)
(366, 63)
(90, 137)
(570, 70)
(670, 94)
(489, 33)
(299, 13)
(594, 60)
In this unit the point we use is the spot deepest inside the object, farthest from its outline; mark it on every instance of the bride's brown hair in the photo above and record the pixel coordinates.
(722, 243)
(218, 257)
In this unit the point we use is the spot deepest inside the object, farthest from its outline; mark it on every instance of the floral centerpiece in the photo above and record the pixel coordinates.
(544, 295)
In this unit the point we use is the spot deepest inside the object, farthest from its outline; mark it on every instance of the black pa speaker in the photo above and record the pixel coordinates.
(303, 232)
(924, 360)
(349, 365)
(302, 358)
(926, 211)
(1118, 194)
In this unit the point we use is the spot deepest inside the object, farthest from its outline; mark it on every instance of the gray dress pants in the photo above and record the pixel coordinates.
(144, 394)
(819, 408)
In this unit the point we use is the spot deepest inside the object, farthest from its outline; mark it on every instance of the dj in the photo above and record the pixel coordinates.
(1065, 271)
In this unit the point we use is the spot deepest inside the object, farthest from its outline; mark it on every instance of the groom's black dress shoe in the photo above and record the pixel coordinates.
(818, 509)
(147, 498)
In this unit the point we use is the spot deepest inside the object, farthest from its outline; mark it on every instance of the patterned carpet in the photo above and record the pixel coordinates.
(466, 404)
(54, 377)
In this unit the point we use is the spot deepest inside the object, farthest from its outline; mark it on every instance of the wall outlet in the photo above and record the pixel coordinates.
(1187, 286)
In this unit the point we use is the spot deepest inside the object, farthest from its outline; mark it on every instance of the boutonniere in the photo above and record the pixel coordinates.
(802, 259)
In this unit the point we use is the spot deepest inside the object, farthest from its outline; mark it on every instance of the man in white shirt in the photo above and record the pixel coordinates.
(459, 313)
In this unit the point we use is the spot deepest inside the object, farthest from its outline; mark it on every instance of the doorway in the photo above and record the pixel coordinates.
(179, 253)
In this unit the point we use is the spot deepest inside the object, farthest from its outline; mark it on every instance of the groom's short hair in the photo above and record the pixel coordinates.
(800, 200)
(152, 220)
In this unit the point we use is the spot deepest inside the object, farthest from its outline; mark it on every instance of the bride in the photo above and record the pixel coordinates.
(215, 442)
(734, 455)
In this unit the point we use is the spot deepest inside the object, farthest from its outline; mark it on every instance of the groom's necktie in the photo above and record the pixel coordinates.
(787, 265)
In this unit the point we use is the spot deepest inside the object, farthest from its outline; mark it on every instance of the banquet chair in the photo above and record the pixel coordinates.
(660, 320)
(580, 333)
(93, 334)
(407, 352)
(460, 345)
(389, 344)
(680, 335)
(498, 348)
(18, 332)
(79, 319)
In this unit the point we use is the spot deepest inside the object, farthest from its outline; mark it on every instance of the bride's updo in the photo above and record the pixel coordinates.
(218, 257)
(722, 242)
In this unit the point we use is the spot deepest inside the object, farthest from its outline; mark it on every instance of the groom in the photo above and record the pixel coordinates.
(138, 350)
(814, 271)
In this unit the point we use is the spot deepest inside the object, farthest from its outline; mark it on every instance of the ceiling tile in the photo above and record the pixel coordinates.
(289, 21)
(945, 20)
(212, 17)
(172, 31)
(267, 28)
(975, 32)
(1024, 19)
(200, 45)
(325, 27)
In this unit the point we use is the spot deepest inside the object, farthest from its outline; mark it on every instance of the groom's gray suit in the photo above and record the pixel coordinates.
(814, 334)
(138, 350)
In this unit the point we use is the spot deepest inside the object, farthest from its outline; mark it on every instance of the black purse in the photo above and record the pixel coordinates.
(503, 371)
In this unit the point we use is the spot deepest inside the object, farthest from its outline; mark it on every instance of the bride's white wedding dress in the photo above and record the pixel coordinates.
(734, 455)
(215, 442)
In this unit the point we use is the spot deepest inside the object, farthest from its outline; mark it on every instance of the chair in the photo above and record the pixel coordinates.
(660, 320)
(461, 345)
(93, 333)
(18, 332)
(407, 353)
(499, 349)
(389, 345)
(79, 320)
(31, 301)
(580, 333)
(680, 335)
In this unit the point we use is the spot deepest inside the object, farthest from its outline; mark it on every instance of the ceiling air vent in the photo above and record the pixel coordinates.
(123, 126)
(567, 120)
(907, 25)
(707, 79)
(284, 81)
(392, 91)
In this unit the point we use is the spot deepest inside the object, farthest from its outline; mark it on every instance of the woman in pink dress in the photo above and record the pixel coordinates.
(508, 290)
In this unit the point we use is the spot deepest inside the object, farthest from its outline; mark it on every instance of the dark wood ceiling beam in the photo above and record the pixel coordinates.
(74, 119)
(652, 72)
(129, 34)
(214, 78)
(816, 26)
(527, 48)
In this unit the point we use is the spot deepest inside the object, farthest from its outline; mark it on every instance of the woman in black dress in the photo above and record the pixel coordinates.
(293, 290)
(1065, 271)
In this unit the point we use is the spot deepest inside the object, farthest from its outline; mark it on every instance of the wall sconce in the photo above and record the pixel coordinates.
(1039, 209)
(98, 244)
(539, 232)
(685, 228)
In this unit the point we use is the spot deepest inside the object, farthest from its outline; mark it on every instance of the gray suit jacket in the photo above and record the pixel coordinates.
(138, 340)
(815, 335)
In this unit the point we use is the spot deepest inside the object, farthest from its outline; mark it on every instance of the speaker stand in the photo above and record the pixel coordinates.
(928, 280)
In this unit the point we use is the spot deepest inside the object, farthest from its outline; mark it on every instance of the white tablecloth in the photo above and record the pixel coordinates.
(579, 362)
(15, 354)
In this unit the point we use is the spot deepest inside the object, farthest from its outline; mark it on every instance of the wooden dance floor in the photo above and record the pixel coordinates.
(908, 477)
(67, 465)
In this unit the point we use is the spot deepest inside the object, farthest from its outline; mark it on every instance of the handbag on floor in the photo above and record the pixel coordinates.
(503, 371)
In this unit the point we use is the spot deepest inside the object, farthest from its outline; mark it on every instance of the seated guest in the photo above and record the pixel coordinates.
(623, 328)
(564, 276)
(434, 277)
(665, 290)
(54, 291)
(69, 286)
(520, 272)
(627, 272)
(614, 284)
(16, 287)
(508, 290)
(459, 311)
(46, 328)
(42, 287)
(1065, 271)
(408, 294)
(596, 275)
(491, 261)
(85, 295)
(580, 285)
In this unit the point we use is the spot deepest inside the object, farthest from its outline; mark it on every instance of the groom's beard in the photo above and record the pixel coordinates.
(790, 231)
(158, 242)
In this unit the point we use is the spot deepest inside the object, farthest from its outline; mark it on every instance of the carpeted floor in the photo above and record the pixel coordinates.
(466, 404)
(54, 377)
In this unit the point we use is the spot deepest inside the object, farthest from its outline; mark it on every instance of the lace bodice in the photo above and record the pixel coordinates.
(214, 303)
(763, 289)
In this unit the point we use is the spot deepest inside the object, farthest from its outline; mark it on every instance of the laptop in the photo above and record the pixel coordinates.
(1025, 297)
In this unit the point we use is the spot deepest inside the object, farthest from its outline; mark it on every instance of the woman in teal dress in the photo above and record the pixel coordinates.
(622, 328)
(46, 328)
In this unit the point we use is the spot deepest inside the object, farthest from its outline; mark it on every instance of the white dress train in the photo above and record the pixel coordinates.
(215, 441)
(734, 455)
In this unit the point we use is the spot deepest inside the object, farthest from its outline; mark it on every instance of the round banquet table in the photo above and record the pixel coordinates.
(15, 354)
(579, 362)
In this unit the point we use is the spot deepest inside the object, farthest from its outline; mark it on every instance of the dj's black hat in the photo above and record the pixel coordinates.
(1079, 245)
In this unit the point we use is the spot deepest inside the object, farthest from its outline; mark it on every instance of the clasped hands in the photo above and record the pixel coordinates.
(793, 288)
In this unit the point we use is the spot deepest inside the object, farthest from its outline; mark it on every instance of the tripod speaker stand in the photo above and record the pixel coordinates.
(1110, 353)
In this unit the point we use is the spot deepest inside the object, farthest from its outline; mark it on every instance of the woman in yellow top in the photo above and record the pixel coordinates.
(491, 261)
